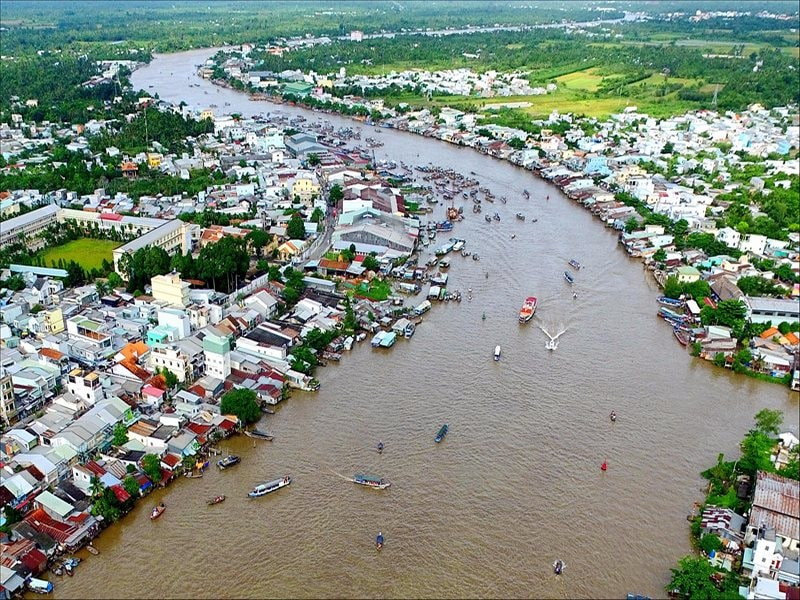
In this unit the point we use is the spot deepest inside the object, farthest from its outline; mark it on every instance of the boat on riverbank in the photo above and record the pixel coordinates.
(371, 481)
(262, 489)
(527, 310)
(682, 335)
(259, 435)
(228, 461)
(670, 302)
(442, 432)
(569, 278)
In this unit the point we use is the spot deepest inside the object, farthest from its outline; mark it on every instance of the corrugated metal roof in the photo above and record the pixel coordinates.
(776, 503)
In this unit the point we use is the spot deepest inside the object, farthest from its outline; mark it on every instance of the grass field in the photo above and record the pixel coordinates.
(87, 252)
(587, 80)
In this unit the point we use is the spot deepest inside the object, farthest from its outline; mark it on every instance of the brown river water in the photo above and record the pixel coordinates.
(517, 482)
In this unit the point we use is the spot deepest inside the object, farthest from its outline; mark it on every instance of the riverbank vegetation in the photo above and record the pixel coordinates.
(695, 576)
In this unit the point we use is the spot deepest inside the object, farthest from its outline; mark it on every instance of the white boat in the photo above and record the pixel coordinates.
(497, 352)
(271, 486)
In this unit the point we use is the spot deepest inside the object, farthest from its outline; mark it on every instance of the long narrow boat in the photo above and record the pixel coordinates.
(216, 500)
(228, 461)
(665, 301)
(569, 278)
(157, 511)
(575, 264)
(263, 489)
(442, 432)
(527, 310)
(682, 336)
(371, 481)
(259, 435)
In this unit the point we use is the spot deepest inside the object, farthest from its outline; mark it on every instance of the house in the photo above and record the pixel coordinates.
(774, 310)
(687, 274)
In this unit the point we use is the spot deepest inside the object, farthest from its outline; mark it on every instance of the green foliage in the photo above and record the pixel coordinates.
(729, 313)
(672, 287)
(692, 579)
(335, 194)
(769, 421)
(130, 485)
(295, 229)
(107, 506)
(303, 359)
(169, 377)
(371, 263)
(756, 449)
(709, 543)
(719, 359)
(350, 323)
(242, 403)
(660, 255)
(758, 286)
(120, 435)
(220, 264)
(293, 286)
(313, 159)
(143, 265)
(317, 215)
(792, 467)
(697, 348)
(151, 465)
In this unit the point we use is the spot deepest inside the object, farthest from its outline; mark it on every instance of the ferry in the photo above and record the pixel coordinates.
(371, 481)
(442, 432)
(575, 264)
(527, 310)
(228, 461)
(568, 277)
(263, 489)
(497, 352)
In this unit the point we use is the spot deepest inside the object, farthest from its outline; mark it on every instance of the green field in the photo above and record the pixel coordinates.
(588, 80)
(87, 252)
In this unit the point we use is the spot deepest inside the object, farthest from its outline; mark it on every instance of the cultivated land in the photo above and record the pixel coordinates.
(88, 253)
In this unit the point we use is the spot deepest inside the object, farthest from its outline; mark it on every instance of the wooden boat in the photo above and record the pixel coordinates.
(379, 541)
(442, 432)
(267, 411)
(682, 336)
(263, 489)
(569, 278)
(216, 500)
(371, 481)
(671, 302)
(92, 550)
(259, 435)
(527, 310)
(575, 264)
(157, 511)
(191, 475)
(228, 461)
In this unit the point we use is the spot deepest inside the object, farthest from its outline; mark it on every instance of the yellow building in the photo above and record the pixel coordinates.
(53, 321)
(170, 289)
(206, 113)
(154, 160)
(305, 188)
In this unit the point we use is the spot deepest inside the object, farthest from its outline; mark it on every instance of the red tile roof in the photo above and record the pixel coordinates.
(50, 353)
(198, 428)
(120, 493)
(171, 460)
(43, 523)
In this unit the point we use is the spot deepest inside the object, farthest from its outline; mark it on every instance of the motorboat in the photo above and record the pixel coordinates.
(442, 432)
(262, 489)
(497, 352)
(575, 264)
(371, 481)
(488, 219)
(613, 416)
(228, 461)
(379, 541)
(259, 435)
(520, 216)
(558, 567)
(216, 500)
(380, 447)
(527, 310)
(157, 511)
(569, 278)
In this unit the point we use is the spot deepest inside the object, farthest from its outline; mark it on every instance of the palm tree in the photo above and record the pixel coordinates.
(95, 486)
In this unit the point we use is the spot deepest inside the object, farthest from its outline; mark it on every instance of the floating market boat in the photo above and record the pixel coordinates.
(263, 489)
(371, 481)
(527, 310)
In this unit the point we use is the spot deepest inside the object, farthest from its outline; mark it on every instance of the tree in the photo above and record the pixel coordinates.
(151, 465)
(371, 263)
(709, 543)
(296, 229)
(95, 486)
(169, 377)
(719, 359)
(692, 579)
(660, 255)
(130, 485)
(672, 288)
(756, 451)
(120, 436)
(313, 159)
(335, 194)
(258, 239)
(631, 225)
(317, 215)
(350, 323)
(768, 421)
(243, 404)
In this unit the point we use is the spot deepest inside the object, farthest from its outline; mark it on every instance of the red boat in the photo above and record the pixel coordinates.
(157, 511)
(682, 336)
(527, 310)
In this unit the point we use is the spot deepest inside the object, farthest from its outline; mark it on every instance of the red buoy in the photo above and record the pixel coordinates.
(604, 466)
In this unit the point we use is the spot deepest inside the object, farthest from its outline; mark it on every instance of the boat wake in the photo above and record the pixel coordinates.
(552, 343)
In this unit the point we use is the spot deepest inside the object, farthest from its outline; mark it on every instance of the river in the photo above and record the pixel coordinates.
(517, 482)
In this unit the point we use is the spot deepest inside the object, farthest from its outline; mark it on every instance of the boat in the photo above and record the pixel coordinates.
(497, 352)
(681, 335)
(613, 416)
(551, 344)
(442, 432)
(604, 466)
(459, 245)
(40, 586)
(228, 461)
(157, 511)
(371, 481)
(267, 411)
(520, 216)
(262, 489)
(665, 301)
(527, 310)
(671, 315)
(379, 541)
(259, 435)
(558, 567)
(575, 264)
(569, 278)
(216, 500)
(496, 216)
(380, 447)
(92, 549)
(488, 219)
